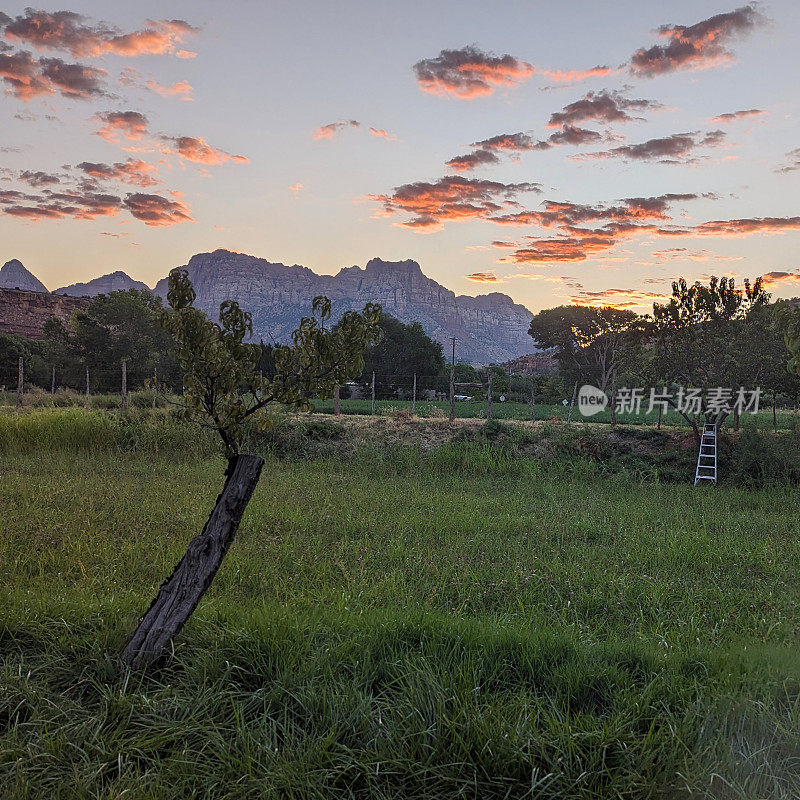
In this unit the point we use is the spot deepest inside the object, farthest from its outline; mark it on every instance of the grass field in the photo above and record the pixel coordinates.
(455, 621)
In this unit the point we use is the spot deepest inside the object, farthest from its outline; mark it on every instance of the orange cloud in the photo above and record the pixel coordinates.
(327, 131)
(199, 151)
(296, 188)
(603, 106)
(26, 77)
(746, 227)
(574, 75)
(74, 204)
(132, 171)
(185, 54)
(468, 73)
(698, 46)
(452, 198)
(617, 298)
(777, 278)
(131, 124)
(70, 32)
(734, 115)
(157, 211)
(390, 137)
(181, 88)
(483, 277)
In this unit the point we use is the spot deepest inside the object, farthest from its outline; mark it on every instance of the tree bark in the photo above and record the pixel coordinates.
(181, 592)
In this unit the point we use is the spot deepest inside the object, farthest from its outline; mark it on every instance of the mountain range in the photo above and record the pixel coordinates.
(489, 328)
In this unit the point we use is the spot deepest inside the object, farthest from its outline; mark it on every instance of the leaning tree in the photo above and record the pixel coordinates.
(224, 390)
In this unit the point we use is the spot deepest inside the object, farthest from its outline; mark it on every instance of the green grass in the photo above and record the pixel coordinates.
(458, 622)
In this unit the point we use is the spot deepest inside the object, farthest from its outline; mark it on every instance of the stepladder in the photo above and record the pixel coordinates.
(707, 457)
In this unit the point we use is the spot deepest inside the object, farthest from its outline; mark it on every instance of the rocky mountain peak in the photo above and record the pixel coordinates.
(13, 275)
(117, 281)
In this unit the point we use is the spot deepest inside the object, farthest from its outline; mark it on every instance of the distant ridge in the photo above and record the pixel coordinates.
(113, 282)
(490, 328)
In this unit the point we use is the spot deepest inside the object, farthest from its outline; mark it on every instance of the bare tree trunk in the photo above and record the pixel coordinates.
(736, 418)
(774, 415)
(373, 394)
(414, 396)
(87, 384)
(336, 410)
(53, 381)
(660, 409)
(181, 592)
(489, 397)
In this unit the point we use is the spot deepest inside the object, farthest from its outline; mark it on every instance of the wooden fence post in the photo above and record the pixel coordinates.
(87, 383)
(124, 385)
(373, 393)
(53, 381)
(572, 402)
(20, 382)
(414, 396)
(489, 397)
(533, 404)
(336, 410)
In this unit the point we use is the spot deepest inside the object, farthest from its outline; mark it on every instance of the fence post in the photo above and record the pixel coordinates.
(614, 400)
(124, 385)
(20, 383)
(373, 394)
(414, 396)
(336, 409)
(489, 397)
(533, 403)
(572, 402)
(53, 381)
(453, 382)
(155, 387)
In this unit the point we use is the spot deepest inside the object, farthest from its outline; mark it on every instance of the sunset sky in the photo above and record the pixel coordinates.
(582, 151)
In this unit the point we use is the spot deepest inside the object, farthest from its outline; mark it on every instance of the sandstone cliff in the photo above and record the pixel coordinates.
(490, 328)
(24, 313)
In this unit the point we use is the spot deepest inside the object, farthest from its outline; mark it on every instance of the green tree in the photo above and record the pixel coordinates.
(224, 390)
(402, 351)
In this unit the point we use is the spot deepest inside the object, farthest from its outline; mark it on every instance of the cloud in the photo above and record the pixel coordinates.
(155, 210)
(452, 198)
(199, 151)
(472, 160)
(573, 75)
(483, 277)
(793, 164)
(747, 227)
(469, 72)
(698, 46)
(617, 298)
(380, 132)
(185, 54)
(181, 88)
(681, 254)
(519, 142)
(731, 116)
(38, 178)
(57, 205)
(73, 33)
(26, 77)
(327, 131)
(132, 171)
(296, 188)
(131, 124)
(674, 149)
(603, 106)
(777, 278)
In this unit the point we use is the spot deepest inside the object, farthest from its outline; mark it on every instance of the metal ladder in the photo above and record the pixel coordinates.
(707, 457)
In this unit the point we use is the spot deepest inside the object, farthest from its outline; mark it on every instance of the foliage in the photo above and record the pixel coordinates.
(587, 341)
(223, 386)
(401, 351)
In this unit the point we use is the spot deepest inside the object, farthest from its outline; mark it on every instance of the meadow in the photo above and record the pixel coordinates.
(408, 611)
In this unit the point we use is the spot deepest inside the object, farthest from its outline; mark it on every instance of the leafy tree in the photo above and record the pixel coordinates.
(224, 391)
(699, 335)
(587, 341)
(401, 351)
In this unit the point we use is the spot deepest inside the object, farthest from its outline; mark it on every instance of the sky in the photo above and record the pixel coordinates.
(587, 152)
